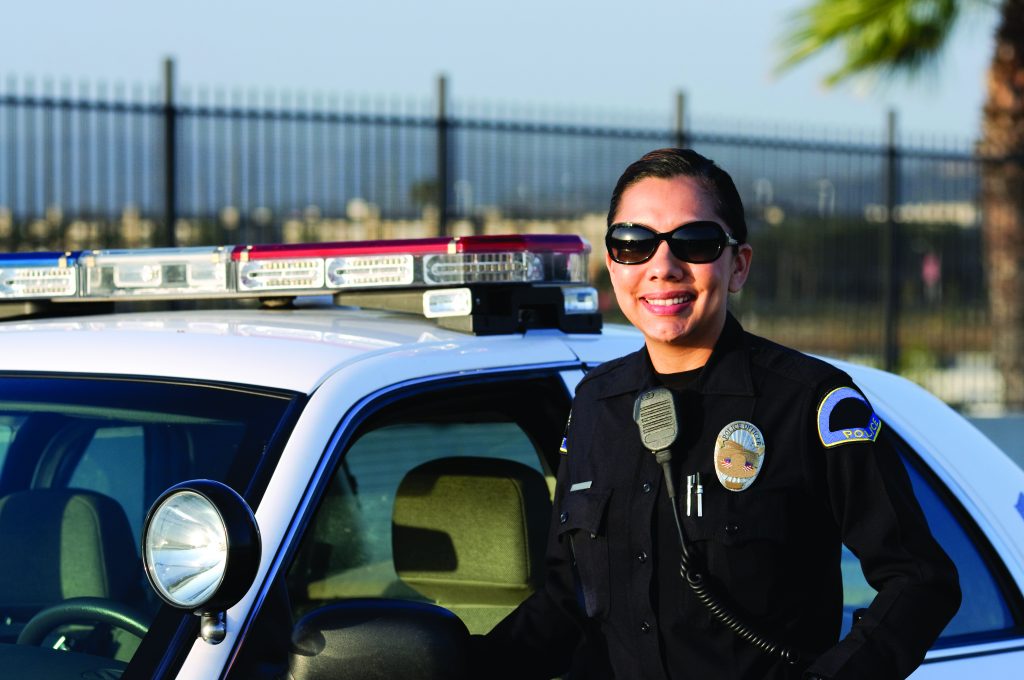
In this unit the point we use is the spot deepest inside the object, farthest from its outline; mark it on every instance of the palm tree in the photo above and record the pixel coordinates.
(891, 37)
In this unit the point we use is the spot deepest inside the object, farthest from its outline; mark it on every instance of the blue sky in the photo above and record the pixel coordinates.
(628, 58)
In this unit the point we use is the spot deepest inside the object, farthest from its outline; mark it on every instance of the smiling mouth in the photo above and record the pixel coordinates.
(668, 302)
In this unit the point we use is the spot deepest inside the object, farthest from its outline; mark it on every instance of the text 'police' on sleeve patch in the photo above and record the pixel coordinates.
(862, 427)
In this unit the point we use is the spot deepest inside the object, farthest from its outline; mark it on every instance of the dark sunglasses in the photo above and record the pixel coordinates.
(696, 242)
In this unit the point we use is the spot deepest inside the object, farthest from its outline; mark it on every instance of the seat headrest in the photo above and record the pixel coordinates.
(61, 543)
(471, 530)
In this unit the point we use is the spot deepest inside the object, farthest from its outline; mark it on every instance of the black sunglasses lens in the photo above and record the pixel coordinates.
(700, 242)
(629, 244)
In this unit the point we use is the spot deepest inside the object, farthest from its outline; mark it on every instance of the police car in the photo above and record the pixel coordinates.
(348, 477)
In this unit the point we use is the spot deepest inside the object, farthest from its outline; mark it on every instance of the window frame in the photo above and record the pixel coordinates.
(542, 431)
(344, 432)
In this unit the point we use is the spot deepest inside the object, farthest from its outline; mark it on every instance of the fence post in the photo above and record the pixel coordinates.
(890, 249)
(680, 131)
(170, 155)
(442, 155)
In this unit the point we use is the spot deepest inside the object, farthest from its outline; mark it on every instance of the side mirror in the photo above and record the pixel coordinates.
(379, 639)
(201, 549)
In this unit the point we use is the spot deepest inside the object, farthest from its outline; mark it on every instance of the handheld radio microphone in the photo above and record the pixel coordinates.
(655, 414)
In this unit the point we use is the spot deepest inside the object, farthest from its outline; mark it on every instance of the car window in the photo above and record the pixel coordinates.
(81, 460)
(986, 606)
(6, 434)
(114, 464)
(349, 548)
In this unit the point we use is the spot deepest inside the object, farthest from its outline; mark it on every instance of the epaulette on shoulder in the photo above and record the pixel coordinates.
(792, 364)
(606, 368)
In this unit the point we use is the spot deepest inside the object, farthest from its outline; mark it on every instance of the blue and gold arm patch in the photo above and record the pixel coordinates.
(842, 421)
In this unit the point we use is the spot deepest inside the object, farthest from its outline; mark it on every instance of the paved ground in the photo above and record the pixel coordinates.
(1007, 432)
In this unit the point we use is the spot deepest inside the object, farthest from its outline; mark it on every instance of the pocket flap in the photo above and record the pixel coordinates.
(583, 510)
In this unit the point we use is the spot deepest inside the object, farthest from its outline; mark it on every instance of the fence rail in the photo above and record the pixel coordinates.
(864, 249)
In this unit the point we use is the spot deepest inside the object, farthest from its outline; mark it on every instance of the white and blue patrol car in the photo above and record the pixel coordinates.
(333, 462)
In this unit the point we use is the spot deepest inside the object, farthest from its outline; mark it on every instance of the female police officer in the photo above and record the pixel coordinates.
(778, 461)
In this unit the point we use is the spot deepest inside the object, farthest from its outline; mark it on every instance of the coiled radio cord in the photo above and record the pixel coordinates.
(695, 580)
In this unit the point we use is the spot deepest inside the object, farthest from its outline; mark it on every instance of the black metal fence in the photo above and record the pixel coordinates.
(866, 246)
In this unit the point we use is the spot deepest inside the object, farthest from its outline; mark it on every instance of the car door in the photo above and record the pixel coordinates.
(411, 508)
(985, 636)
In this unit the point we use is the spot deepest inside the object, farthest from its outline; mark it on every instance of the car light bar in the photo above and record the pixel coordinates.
(411, 263)
(295, 269)
(25, 276)
(160, 272)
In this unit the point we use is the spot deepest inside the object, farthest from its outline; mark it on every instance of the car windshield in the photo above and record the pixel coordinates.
(81, 461)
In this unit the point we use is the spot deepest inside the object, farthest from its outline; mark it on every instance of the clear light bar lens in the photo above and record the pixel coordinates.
(482, 268)
(580, 300)
(186, 549)
(286, 274)
(448, 302)
(20, 282)
(155, 273)
(369, 271)
(569, 268)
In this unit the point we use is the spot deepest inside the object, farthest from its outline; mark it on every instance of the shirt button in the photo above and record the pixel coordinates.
(646, 487)
(732, 528)
(641, 556)
(563, 518)
(645, 627)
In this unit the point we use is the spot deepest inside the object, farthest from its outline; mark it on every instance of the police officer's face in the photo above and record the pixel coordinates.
(679, 306)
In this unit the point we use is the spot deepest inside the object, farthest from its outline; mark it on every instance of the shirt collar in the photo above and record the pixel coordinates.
(726, 372)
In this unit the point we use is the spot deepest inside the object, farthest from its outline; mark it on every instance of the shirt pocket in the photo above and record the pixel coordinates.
(744, 548)
(583, 523)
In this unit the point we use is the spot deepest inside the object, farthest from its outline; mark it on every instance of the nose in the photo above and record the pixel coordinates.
(664, 265)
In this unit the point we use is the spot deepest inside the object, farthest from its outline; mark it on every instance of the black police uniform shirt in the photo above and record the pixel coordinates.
(614, 605)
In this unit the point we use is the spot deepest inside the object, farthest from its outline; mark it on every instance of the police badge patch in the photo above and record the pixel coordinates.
(739, 455)
(857, 424)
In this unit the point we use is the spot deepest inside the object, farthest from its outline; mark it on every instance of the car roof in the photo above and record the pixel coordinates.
(292, 349)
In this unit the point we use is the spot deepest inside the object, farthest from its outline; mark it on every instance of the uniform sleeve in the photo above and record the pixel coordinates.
(883, 525)
(540, 637)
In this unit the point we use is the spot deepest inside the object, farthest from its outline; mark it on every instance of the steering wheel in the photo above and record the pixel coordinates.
(82, 609)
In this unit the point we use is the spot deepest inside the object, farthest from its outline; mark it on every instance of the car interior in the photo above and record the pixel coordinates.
(81, 462)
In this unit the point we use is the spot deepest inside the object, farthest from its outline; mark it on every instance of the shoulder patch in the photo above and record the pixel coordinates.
(866, 428)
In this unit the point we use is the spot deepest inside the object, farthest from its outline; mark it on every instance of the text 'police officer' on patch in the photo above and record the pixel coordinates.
(857, 424)
(739, 455)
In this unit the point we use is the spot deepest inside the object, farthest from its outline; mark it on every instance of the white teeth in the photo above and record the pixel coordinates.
(669, 301)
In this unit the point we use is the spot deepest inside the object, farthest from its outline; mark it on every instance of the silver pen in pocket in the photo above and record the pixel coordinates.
(700, 497)
(689, 493)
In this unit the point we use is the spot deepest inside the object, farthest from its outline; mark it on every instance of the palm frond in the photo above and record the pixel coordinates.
(875, 36)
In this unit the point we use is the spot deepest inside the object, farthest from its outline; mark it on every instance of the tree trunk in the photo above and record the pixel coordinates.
(1002, 182)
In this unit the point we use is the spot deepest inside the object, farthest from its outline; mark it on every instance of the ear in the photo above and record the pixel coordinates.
(740, 267)
(608, 262)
